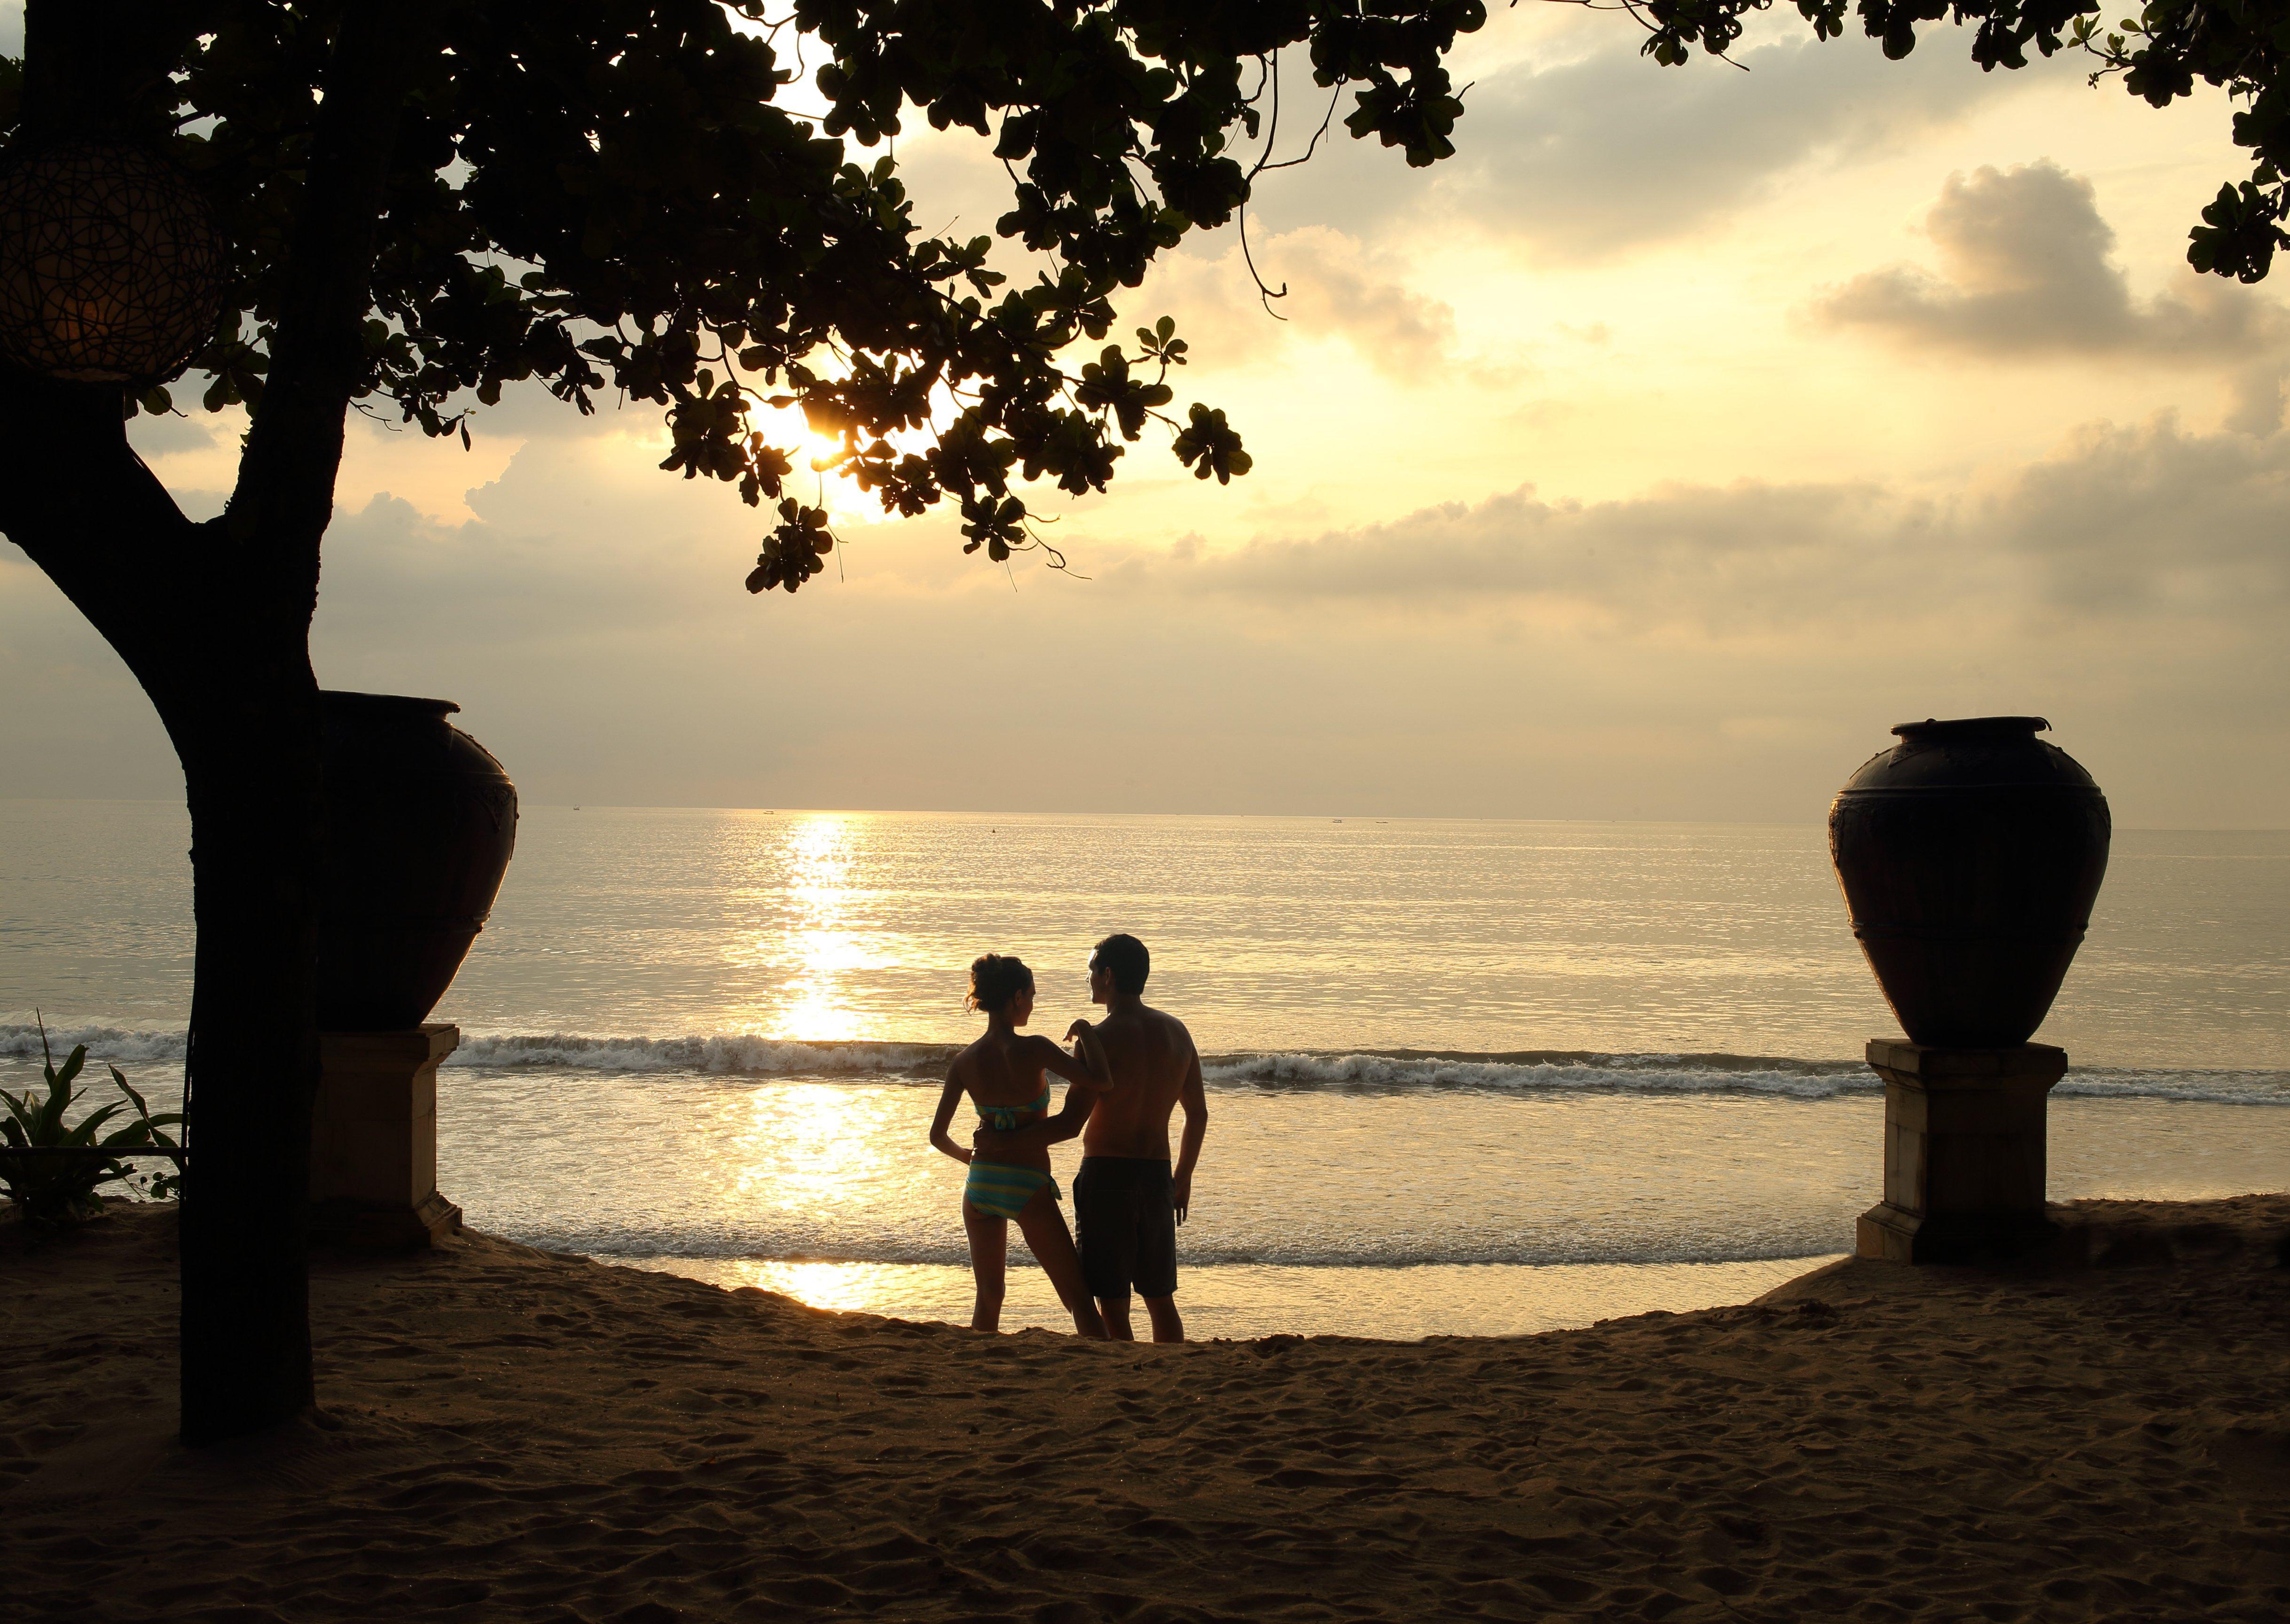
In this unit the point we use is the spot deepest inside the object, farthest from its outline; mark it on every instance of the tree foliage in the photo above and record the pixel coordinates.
(615, 197)
(2240, 46)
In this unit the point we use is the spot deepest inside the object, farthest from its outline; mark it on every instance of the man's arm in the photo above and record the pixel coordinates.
(1195, 1101)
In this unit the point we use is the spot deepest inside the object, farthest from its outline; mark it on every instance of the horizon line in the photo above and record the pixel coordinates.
(1347, 816)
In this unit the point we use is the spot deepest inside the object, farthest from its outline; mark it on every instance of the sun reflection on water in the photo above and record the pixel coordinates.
(846, 1288)
(821, 935)
(818, 1152)
(807, 1146)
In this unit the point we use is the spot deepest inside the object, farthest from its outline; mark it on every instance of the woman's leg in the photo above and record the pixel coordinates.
(1043, 1225)
(989, 1258)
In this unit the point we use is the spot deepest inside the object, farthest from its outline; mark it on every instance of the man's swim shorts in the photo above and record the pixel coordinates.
(1126, 1230)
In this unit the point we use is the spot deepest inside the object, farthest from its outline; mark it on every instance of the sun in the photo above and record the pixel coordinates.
(805, 446)
(815, 450)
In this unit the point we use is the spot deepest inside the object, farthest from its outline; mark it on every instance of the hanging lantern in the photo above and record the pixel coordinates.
(111, 267)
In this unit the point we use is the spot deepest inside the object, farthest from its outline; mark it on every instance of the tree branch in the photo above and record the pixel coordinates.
(284, 497)
(98, 522)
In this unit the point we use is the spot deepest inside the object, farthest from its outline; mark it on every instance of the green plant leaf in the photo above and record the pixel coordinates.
(51, 1114)
(141, 1110)
(83, 1133)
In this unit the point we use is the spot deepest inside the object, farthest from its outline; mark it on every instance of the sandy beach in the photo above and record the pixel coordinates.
(514, 1434)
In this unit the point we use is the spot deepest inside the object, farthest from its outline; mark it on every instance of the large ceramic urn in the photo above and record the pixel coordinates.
(420, 821)
(1970, 854)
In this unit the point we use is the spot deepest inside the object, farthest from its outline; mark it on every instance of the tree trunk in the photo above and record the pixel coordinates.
(250, 753)
(213, 619)
(222, 653)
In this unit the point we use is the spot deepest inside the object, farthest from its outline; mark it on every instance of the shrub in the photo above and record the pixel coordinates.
(61, 1189)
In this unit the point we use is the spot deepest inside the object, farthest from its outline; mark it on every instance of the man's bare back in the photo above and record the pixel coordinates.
(1153, 1060)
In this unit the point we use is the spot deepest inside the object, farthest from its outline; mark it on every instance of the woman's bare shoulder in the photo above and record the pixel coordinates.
(987, 1054)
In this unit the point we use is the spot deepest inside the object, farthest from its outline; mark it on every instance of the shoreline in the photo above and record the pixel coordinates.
(512, 1433)
(1402, 1301)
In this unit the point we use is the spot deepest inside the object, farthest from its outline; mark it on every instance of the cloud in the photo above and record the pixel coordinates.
(170, 433)
(1749, 560)
(2027, 268)
(1588, 159)
(1336, 289)
(2148, 525)
(2154, 521)
(1331, 287)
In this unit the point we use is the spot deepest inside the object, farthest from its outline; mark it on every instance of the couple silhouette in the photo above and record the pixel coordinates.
(1129, 1072)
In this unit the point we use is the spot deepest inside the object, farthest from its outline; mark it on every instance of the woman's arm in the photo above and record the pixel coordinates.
(947, 1099)
(1087, 1065)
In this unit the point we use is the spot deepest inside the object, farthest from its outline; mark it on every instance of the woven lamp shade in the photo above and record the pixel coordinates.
(111, 268)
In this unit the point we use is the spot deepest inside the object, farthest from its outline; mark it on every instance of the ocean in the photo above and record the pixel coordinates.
(1465, 1077)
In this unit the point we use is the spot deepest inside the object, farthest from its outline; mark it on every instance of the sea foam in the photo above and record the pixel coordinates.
(121, 1046)
(1393, 1071)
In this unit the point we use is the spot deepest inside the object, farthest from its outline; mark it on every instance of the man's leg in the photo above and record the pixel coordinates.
(1101, 1219)
(1167, 1326)
(1155, 1268)
(1116, 1312)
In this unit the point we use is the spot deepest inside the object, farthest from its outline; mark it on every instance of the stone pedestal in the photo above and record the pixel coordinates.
(373, 1141)
(1964, 1152)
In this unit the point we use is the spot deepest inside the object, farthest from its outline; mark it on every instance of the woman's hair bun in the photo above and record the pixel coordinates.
(996, 980)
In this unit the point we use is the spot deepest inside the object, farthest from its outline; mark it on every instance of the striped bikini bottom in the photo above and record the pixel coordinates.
(1003, 1190)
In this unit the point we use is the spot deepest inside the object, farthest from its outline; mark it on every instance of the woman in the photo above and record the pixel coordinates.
(1003, 1075)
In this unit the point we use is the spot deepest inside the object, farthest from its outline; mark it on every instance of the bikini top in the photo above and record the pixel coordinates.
(1005, 1118)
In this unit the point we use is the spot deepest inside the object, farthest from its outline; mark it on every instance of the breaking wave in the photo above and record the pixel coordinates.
(727, 1054)
(1392, 1071)
(121, 1046)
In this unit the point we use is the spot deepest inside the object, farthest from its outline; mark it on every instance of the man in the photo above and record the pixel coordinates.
(1127, 1200)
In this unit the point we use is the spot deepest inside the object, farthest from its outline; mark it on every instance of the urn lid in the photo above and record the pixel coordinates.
(1971, 752)
(382, 708)
(1971, 727)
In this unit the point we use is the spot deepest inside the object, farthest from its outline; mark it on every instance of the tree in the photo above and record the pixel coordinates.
(427, 202)
(2239, 46)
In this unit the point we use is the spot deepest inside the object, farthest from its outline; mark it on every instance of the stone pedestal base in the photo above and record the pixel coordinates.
(1964, 1152)
(373, 1140)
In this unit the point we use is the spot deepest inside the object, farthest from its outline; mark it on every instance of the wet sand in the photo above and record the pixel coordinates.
(514, 1434)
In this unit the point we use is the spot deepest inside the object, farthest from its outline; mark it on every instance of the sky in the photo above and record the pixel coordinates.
(1649, 460)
